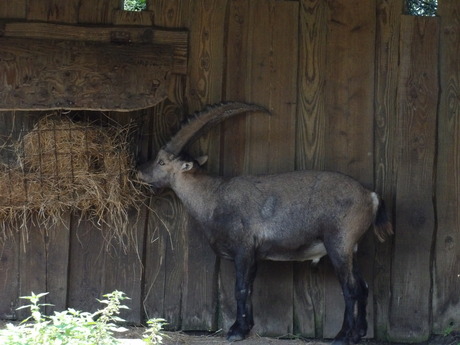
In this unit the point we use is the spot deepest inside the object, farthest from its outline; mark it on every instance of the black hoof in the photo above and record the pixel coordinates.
(340, 342)
(237, 333)
(356, 338)
(234, 337)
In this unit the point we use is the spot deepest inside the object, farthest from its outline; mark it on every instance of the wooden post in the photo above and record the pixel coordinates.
(446, 289)
(204, 86)
(310, 147)
(386, 81)
(166, 237)
(418, 88)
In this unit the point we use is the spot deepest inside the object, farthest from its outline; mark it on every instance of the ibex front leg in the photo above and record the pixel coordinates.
(245, 267)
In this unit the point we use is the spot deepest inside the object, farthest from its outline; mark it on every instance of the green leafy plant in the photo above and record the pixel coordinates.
(74, 327)
(135, 5)
(422, 7)
(153, 334)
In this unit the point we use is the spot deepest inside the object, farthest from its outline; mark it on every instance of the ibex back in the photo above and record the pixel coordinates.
(295, 216)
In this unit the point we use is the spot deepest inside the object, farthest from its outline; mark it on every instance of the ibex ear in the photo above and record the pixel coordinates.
(186, 166)
(201, 160)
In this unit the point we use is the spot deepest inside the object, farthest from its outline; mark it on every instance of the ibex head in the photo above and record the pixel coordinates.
(169, 161)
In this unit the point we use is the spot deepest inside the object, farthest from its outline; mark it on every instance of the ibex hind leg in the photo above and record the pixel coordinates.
(354, 326)
(360, 329)
(354, 320)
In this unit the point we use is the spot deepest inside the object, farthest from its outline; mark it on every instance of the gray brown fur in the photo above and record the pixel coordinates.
(301, 215)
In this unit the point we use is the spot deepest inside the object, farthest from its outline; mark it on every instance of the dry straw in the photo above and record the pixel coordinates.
(67, 166)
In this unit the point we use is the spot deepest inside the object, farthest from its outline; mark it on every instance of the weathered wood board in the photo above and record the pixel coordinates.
(446, 289)
(53, 10)
(114, 34)
(9, 277)
(44, 66)
(97, 11)
(166, 238)
(273, 83)
(43, 265)
(13, 9)
(309, 148)
(252, 145)
(204, 86)
(233, 135)
(97, 267)
(386, 81)
(349, 131)
(86, 266)
(57, 259)
(418, 89)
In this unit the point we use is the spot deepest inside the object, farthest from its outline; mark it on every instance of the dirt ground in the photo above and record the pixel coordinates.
(134, 335)
(184, 339)
(180, 338)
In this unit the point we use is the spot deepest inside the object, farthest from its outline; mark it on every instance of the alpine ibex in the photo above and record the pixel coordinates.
(298, 216)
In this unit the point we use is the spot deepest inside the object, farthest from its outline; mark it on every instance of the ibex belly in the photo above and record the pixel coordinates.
(313, 251)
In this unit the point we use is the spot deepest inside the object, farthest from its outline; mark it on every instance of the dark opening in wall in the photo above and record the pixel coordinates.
(427, 8)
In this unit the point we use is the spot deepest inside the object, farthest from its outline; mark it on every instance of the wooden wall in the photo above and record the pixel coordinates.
(354, 86)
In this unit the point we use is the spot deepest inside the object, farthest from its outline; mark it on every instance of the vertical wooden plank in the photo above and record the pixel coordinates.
(9, 246)
(97, 268)
(350, 71)
(415, 219)
(446, 296)
(32, 266)
(310, 146)
(123, 266)
(155, 240)
(203, 86)
(273, 84)
(311, 123)
(39, 257)
(53, 10)
(166, 237)
(258, 44)
(386, 81)
(350, 81)
(36, 259)
(101, 264)
(233, 133)
(271, 140)
(171, 225)
(97, 11)
(236, 85)
(9, 277)
(57, 244)
(86, 269)
(155, 257)
(141, 18)
(13, 9)
(123, 270)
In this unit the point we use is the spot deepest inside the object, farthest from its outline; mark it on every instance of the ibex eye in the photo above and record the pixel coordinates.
(161, 162)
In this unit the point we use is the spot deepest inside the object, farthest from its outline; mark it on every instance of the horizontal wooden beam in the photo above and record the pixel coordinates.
(94, 33)
(49, 66)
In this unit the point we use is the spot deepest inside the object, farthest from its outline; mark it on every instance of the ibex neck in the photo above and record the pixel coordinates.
(198, 194)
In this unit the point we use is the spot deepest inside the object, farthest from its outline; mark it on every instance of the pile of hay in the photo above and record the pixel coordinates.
(64, 165)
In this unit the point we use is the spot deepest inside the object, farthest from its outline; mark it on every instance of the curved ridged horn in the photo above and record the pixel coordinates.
(203, 120)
